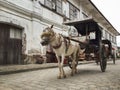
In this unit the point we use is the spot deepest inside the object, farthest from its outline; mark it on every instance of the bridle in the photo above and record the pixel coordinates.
(52, 37)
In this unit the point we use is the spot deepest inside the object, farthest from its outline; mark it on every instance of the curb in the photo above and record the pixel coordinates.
(25, 70)
(37, 68)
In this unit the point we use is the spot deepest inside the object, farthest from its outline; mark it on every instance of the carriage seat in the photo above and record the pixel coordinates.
(93, 42)
(92, 45)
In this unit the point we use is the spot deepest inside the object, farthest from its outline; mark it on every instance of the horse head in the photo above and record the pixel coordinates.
(47, 35)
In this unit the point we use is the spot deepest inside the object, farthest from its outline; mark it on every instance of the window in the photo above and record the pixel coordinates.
(103, 33)
(113, 39)
(110, 37)
(55, 5)
(65, 8)
(15, 33)
(106, 34)
(73, 11)
(48, 3)
(59, 6)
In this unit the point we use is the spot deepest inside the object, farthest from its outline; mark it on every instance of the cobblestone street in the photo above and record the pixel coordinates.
(89, 77)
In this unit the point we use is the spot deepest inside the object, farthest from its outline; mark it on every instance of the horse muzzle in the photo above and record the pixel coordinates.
(44, 43)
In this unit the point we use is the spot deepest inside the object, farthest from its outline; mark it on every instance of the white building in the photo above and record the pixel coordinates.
(22, 21)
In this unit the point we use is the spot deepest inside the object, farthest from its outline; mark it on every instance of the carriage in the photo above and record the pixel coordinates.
(70, 47)
(94, 46)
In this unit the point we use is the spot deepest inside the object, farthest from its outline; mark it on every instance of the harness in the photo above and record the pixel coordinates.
(58, 45)
(49, 32)
(66, 42)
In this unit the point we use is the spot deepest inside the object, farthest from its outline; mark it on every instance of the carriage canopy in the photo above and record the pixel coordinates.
(84, 27)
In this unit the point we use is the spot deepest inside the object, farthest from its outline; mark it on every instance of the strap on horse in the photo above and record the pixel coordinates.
(67, 42)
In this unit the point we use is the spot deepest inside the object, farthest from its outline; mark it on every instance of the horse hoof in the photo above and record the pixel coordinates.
(59, 77)
(76, 72)
(72, 74)
(64, 76)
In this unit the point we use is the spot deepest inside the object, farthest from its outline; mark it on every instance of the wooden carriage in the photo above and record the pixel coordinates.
(94, 47)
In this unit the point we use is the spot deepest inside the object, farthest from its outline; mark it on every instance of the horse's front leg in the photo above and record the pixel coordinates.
(60, 65)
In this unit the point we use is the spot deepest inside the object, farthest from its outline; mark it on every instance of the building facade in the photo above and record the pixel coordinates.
(22, 21)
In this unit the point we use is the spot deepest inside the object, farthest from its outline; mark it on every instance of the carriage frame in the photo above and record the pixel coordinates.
(95, 46)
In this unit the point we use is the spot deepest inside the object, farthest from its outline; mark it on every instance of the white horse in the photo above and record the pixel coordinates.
(61, 49)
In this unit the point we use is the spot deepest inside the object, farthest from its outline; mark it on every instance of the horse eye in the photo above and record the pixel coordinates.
(44, 30)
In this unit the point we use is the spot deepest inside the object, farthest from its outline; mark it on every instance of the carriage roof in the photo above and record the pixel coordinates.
(84, 27)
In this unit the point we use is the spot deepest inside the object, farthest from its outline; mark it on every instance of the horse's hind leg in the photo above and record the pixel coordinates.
(73, 65)
(74, 62)
(73, 68)
(62, 70)
(77, 57)
(59, 66)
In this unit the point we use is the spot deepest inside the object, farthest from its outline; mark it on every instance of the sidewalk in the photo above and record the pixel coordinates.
(10, 69)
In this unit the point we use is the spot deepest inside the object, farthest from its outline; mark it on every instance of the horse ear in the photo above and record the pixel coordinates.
(51, 26)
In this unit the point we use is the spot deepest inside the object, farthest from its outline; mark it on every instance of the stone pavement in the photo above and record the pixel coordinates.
(9, 69)
(88, 77)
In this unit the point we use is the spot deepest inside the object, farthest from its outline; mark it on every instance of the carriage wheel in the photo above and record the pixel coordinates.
(70, 62)
(103, 61)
